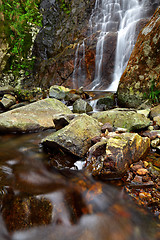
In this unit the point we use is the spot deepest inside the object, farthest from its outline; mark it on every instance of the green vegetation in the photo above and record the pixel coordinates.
(19, 18)
(66, 7)
(154, 93)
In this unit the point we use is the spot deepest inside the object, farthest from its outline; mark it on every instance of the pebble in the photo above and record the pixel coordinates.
(137, 179)
(134, 168)
(142, 171)
(155, 142)
(144, 195)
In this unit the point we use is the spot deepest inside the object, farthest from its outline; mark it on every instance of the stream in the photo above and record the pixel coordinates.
(50, 197)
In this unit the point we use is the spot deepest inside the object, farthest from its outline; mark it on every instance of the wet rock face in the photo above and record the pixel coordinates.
(143, 69)
(63, 24)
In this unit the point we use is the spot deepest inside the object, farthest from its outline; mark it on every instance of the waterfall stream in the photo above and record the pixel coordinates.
(111, 16)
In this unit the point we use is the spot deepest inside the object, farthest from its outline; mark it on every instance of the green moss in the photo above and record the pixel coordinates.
(18, 18)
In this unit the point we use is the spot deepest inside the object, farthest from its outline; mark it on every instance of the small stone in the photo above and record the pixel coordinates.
(137, 179)
(150, 134)
(106, 132)
(130, 177)
(146, 178)
(95, 139)
(107, 126)
(145, 195)
(121, 130)
(135, 167)
(145, 164)
(8, 100)
(155, 142)
(150, 128)
(142, 171)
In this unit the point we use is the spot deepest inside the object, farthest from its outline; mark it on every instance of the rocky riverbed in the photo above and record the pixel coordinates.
(99, 164)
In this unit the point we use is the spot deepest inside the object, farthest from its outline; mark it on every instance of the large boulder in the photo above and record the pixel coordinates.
(123, 118)
(142, 74)
(33, 117)
(75, 137)
(112, 157)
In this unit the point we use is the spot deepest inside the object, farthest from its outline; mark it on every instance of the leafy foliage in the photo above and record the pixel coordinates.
(154, 93)
(19, 17)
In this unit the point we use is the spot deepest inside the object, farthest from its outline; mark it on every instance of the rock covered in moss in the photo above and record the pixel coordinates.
(33, 117)
(111, 157)
(62, 93)
(106, 102)
(143, 68)
(75, 137)
(81, 106)
(123, 118)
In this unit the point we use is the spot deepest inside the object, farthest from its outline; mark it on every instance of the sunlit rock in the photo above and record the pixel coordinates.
(33, 117)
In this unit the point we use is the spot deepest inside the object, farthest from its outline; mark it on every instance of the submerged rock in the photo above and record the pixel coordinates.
(123, 118)
(75, 137)
(33, 117)
(111, 157)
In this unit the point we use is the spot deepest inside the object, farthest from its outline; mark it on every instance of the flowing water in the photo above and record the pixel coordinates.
(108, 16)
(46, 201)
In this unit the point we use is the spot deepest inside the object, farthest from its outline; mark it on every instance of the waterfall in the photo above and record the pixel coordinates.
(105, 18)
(111, 16)
(131, 13)
(79, 66)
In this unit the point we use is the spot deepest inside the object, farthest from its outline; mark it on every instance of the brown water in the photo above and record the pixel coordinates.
(46, 197)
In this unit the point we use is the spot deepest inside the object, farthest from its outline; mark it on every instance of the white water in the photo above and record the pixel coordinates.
(79, 66)
(119, 16)
(131, 13)
(105, 18)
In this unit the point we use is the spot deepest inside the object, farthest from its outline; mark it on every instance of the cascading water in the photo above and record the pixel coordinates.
(131, 12)
(105, 18)
(110, 16)
(79, 72)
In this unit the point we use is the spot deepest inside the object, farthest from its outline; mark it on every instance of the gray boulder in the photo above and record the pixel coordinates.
(123, 118)
(75, 137)
(33, 117)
